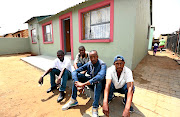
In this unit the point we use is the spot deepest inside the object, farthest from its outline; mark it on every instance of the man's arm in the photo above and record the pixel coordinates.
(101, 74)
(76, 61)
(75, 66)
(60, 76)
(41, 78)
(74, 73)
(106, 95)
(129, 99)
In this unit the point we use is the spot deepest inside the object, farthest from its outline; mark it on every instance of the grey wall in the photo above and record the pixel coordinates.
(14, 45)
(34, 47)
(141, 31)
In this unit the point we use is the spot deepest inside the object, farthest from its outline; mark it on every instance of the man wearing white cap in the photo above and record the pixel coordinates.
(119, 79)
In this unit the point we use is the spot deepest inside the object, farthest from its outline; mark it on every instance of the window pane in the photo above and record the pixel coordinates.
(48, 33)
(100, 31)
(87, 25)
(96, 24)
(48, 28)
(100, 15)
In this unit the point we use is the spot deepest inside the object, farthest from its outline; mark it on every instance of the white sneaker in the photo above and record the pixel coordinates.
(95, 112)
(70, 104)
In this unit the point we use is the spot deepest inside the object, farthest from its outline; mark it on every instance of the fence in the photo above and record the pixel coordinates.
(14, 45)
(173, 43)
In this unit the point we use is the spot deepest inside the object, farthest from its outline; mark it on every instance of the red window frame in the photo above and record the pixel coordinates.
(92, 7)
(47, 23)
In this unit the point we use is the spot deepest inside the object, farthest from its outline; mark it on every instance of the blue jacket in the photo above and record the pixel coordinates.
(99, 71)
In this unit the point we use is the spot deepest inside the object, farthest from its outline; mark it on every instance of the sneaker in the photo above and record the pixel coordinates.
(70, 104)
(131, 108)
(95, 112)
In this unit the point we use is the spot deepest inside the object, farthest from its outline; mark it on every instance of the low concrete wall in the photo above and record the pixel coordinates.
(14, 45)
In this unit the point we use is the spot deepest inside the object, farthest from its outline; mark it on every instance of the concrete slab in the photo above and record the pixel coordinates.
(42, 62)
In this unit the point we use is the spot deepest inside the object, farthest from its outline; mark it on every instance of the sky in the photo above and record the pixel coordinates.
(13, 13)
(166, 16)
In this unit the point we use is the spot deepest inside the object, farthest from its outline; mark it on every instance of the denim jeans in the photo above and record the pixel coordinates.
(79, 65)
(97, 89)
(122, 90)
(66, 75)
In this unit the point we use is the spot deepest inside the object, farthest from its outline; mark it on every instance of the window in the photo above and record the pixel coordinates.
(33, 36)
(96, 22)
(47, 32)
(19, 35)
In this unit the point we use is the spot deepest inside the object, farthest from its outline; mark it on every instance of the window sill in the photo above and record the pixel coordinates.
(95, 41)
(48, 42)
(34, 42)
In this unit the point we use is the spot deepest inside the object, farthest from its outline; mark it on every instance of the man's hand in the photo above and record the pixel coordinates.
(81, 90)
(40, 80)
(106, 109)
(58, 81)
(126, 113)
(79, 84)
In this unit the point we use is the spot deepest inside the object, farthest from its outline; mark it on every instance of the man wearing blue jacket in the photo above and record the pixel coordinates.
(96, 69)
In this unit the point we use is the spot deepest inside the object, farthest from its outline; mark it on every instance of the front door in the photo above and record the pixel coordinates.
(66, 31)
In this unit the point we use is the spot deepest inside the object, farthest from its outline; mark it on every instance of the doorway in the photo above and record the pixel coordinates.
(66, 33)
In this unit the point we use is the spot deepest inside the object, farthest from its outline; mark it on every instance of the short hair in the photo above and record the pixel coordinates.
(94, 51)
(81, 47)
(60, 51)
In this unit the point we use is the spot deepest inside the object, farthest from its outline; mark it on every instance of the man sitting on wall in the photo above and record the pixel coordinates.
(119, 79)
(96, 69)
(62, 68)
(81, 58)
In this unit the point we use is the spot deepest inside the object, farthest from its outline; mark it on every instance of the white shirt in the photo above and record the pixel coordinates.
(60, 65)
(125, 77)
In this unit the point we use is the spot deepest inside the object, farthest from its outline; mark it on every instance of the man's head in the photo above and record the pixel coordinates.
(93, 56)
(60, 55)
(82, 50)
(119, 63)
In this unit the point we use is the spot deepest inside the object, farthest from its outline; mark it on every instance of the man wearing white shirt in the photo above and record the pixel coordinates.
(119, 79)
(62, 68)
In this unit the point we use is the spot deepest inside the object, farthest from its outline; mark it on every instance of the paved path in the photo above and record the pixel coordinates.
(157, 81)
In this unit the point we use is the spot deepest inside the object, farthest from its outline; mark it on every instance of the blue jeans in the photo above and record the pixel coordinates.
(79, 65)
(122, 90)
(97, 89)
(66, 75)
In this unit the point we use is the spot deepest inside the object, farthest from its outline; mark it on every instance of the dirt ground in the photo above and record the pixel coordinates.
(21, 96)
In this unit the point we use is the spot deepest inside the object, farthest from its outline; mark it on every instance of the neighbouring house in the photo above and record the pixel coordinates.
(18, 34)
(111, 27)
(9, 35)
(21, 34)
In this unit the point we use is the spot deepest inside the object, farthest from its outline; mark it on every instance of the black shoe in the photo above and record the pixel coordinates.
(131, 108)
(61, 96)
(50, 89)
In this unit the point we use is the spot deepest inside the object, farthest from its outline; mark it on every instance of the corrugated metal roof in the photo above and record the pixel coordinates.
(39, 17)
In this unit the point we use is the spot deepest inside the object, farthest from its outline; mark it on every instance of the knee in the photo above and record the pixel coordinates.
(65, 72)
(53, 71)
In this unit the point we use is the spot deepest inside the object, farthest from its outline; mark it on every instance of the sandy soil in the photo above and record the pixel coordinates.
(21, 96)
